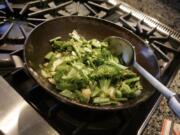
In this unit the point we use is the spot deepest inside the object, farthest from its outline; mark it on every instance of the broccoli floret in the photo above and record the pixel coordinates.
(72, 75)
(104, 84)
(62, 69)
(81, 97)
(132, 80)
(68, 94)
(80, 67)
(64, 84)
(105, 71)
(61, 46)
(68, 58)
(115, 62)
(77, 48)
(127, 91)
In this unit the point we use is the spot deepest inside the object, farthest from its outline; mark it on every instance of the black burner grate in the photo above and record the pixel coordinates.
(164, 47)
(49, 9)
(14, 28)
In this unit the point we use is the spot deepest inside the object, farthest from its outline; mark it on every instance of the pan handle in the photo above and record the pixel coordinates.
(172, 97)
(7, 60)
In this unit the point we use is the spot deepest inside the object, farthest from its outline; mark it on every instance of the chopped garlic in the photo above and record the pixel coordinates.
(55, 64)
(86, 93)
(51, 80)
(112, 92)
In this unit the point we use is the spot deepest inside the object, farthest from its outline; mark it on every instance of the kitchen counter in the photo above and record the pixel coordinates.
(164, 12)
(163, 112)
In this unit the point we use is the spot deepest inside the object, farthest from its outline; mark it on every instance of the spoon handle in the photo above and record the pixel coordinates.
(173, 99)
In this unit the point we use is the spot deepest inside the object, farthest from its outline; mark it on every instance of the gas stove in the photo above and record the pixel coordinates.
(18, 19)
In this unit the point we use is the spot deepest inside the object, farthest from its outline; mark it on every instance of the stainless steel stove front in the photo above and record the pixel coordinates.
(17, 117)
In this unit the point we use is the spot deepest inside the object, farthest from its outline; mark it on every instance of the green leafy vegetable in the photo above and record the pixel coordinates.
(68, 94)
(86, 71)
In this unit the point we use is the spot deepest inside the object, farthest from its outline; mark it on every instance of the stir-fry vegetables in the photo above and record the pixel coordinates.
(86, 71)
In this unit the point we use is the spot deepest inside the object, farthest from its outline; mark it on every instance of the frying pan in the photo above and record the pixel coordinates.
(37, 45)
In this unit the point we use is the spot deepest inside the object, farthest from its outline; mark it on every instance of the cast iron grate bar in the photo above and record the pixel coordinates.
(149, 33)
(108, 10)
(162, 39)
(98, 5)
(2, 38)
(80, 128)
(53, 109)
(32, 25)
(125, 126)
(104, 11)
(52, 4)
(160, 52)
(127, 25)
(9, 6)
(129, 115)
(40, 12)
(2, 17)
(36, 19)
(166, 47)
(30, 4)
(138, 27)
(10, 47)
(91, 9)
(23, 32)
(20, 40)
(2, 12)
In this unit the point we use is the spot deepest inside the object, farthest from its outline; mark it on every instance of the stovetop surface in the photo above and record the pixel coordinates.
(18, 19)
(16, 112)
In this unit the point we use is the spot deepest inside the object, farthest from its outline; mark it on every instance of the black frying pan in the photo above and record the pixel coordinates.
(37, 45)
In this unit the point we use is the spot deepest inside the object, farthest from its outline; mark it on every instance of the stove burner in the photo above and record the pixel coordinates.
(161, 44)
(18, 18)
(90, 121)
(14, 29)
(50, 9)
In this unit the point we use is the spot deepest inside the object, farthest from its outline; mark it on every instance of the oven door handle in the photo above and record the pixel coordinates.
(8, 60)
